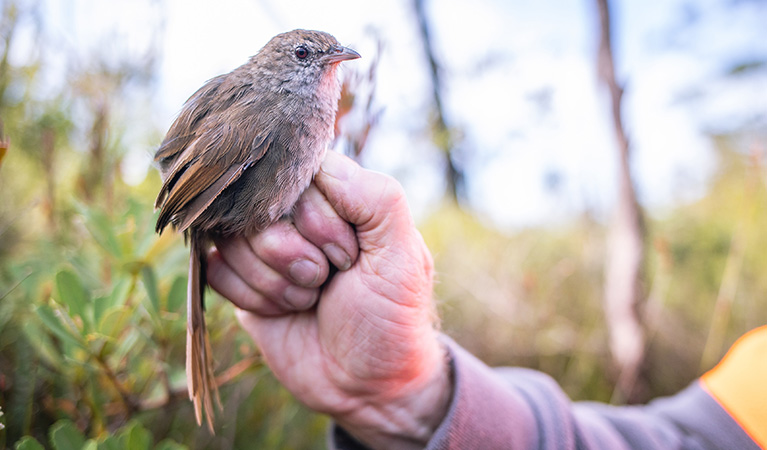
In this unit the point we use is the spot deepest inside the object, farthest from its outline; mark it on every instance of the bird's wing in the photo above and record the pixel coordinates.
(199, 106)
(196, 178)
(208, 148)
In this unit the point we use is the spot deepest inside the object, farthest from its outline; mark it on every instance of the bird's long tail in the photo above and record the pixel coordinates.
(199, 364)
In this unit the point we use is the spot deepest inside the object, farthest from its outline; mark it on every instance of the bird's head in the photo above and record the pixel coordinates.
(301, 60)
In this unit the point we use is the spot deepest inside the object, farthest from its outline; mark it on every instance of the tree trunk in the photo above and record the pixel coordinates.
(625, 242)
(441, 134)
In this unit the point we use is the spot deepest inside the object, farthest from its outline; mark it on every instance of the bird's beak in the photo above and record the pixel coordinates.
(339, 53)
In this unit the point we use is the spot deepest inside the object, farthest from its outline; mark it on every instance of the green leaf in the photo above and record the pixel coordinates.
(102, 230)
(100, 306)
(114, 322)
(64, 435)
(42, 342)
(177, 295)
(128, 342)
(150, 284)
(49, 319)
(28, 443)
(73, 295)
(134, 437)
(120, 291)
(110, 443)
(169, 444)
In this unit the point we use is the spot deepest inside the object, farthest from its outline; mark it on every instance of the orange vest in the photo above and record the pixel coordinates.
(739, 384)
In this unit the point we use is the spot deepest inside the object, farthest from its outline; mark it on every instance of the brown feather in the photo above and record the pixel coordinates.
(199, 366)
(205, 198)
(195, 109)
(199, 169)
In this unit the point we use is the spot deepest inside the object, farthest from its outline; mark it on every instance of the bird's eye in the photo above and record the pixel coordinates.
(301, 52)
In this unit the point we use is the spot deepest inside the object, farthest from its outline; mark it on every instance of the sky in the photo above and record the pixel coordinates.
(520, 86)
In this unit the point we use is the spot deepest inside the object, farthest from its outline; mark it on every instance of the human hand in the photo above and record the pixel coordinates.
(362, 348)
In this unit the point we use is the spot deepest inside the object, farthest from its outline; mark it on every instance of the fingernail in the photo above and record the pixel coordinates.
(304, 272)
(337, 256)
(338, 166)
(300, 298)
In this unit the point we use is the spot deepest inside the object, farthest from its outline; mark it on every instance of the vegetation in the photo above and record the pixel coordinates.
(533, 298)
(92, 321)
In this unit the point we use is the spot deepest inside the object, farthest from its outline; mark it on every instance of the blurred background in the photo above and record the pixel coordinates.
(590, 177)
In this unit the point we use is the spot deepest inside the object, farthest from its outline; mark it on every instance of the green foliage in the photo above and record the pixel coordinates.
(28, 443)
(92, 321)
(534, 298)
(530, 299)
(93, 329)
(64, 435)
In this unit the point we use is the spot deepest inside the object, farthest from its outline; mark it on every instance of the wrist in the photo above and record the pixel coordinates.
(408, 417)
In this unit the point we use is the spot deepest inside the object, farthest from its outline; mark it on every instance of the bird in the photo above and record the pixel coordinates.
(236, 159)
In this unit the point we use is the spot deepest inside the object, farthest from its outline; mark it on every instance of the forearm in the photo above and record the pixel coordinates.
(523, 409)
(474, 412)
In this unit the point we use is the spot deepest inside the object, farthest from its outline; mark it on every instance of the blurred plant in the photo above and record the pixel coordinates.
(532, 298)
(91, 329)
(4, 143)
(446, 138)
(64, 435)
(91, 325)
(357, 110)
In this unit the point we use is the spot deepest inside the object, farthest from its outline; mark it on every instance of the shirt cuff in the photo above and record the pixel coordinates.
(482, 408)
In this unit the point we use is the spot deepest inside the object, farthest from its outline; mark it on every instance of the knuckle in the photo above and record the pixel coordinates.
(277, 245)
(269, 243)
(391, 191)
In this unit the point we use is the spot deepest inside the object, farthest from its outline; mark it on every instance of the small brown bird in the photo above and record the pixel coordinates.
(242, 150)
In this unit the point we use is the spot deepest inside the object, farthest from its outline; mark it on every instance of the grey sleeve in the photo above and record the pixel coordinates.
(516, 408)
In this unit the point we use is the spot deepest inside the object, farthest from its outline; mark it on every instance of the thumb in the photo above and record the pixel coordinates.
(373, 202)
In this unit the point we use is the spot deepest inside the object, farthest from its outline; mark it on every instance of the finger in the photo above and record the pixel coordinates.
(253, 324)
(224, 280)
(318, 222)
(290, 254)
(249, 323)
(364, 198)
(392, 248)
(239, 275)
